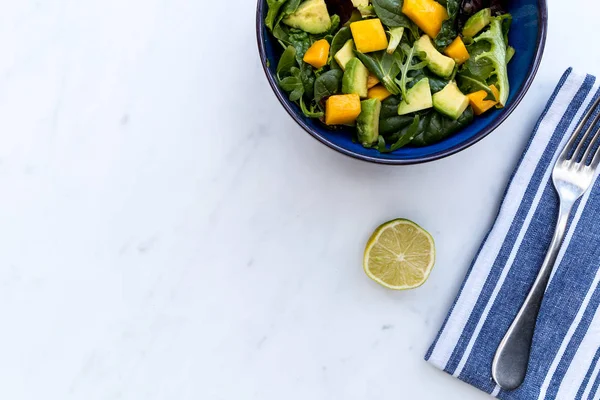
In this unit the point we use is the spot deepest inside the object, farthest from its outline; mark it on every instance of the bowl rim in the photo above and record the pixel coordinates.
(533, 69)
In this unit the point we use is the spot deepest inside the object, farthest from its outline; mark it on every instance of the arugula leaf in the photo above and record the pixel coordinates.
(474, 74)
(469, 84)
(479, 68)
(310, 112)
(274, 7)
(406, 63)
(390, 14)
(307, 76)
(449, 30)
(506, 23)
(293, 84)
(495, 57)
(300, 83)
(286, 62)
(328, 84)
(384, 67)
(510, 53)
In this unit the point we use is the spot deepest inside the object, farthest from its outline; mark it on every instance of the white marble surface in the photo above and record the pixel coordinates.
(168, 232)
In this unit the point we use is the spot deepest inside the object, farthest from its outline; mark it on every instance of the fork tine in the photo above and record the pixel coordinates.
(584, 140)
(591, 148)
(573, 140)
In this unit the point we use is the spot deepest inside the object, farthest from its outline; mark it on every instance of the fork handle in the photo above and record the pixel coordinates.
(510, 362)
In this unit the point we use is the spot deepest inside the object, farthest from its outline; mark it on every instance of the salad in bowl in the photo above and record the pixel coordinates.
(399, 73)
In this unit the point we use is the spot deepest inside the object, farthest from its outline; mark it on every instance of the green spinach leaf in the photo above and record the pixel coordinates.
(339, 40)
(273, 12)
(289, 8)
(390, 14)
(449, 30)
(405, 137)
(435, 82)
(390, 123)
(286, 62)
(328, 84)
(384, 67)
(435, 127)
(282, 34)
(335, 24)
(301, 41)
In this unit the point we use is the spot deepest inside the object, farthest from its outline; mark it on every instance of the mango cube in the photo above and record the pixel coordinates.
(457, 51)
(369, 35)
(427, 14)
(478, 102)
(378, 92)
(372, 80)
(342, 109)
(318, 54)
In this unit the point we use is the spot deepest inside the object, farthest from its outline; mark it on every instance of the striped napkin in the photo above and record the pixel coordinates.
(564, 361)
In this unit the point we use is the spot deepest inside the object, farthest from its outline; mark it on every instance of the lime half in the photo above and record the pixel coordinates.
(399, 255)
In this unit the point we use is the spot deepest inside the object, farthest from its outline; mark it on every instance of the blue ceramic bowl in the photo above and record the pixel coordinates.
(527, 36)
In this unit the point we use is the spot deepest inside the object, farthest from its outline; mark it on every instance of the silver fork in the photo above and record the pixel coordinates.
(572, 176)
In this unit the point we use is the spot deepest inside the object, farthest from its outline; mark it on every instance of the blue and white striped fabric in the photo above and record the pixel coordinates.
(566, 347)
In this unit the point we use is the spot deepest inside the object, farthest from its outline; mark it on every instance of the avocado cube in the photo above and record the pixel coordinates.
(417, 98)
(438, 63)
(345, 54)
(312, 17)
(355, 78)
(450, 101)
(367, 123)
(477, 22)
